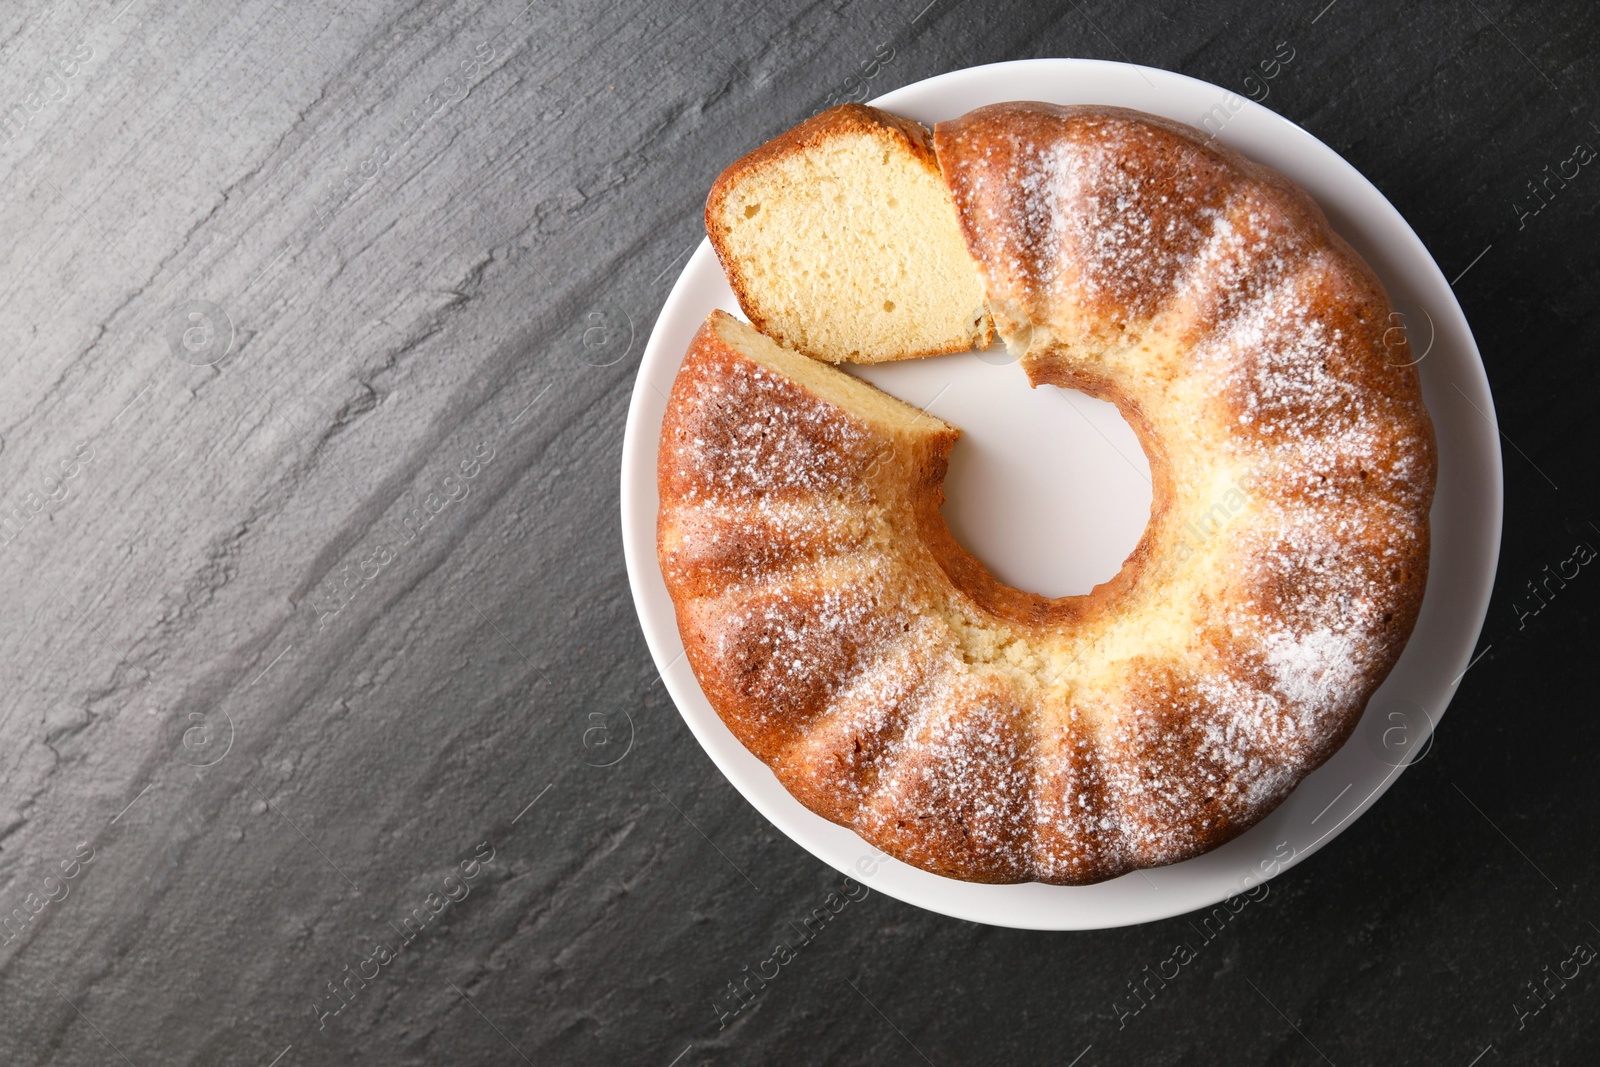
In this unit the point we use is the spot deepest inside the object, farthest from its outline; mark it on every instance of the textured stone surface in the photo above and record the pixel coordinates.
(296, 623)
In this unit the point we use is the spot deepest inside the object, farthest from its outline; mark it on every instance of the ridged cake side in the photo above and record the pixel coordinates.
(990, 734)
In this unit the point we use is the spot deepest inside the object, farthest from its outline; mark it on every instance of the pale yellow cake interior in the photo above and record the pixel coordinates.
(850, 250)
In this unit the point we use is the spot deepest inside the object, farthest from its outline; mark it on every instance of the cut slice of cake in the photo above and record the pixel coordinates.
(840, 240)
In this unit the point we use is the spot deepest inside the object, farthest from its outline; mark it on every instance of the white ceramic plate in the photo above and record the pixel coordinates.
(1083, 520)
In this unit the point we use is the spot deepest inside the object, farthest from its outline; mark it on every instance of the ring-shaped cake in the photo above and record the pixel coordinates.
(985, 732)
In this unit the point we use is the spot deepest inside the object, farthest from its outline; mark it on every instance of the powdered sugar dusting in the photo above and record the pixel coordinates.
(1314, 667)
(749, 432)
(957, 791)
(837, 646)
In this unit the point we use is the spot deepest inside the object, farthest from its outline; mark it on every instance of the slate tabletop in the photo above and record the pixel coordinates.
(328, 733)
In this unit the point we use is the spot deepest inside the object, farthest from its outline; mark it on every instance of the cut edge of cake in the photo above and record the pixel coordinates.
(841, 240)
(882, 411)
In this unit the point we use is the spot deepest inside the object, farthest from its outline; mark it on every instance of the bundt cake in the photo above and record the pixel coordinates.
(891, 683)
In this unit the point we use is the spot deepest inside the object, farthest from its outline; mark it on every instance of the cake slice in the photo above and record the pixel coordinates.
(840, 240)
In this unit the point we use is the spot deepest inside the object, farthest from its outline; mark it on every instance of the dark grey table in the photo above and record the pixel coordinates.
(329, 735)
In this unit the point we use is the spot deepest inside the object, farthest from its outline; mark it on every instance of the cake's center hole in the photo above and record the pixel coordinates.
(1048, 487)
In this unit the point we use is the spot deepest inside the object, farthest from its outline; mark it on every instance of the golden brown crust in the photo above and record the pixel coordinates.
(818, 130)
(990, 734)
(738, 434)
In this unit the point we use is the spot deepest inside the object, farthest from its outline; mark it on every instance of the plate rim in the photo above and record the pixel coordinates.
(965, 900)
